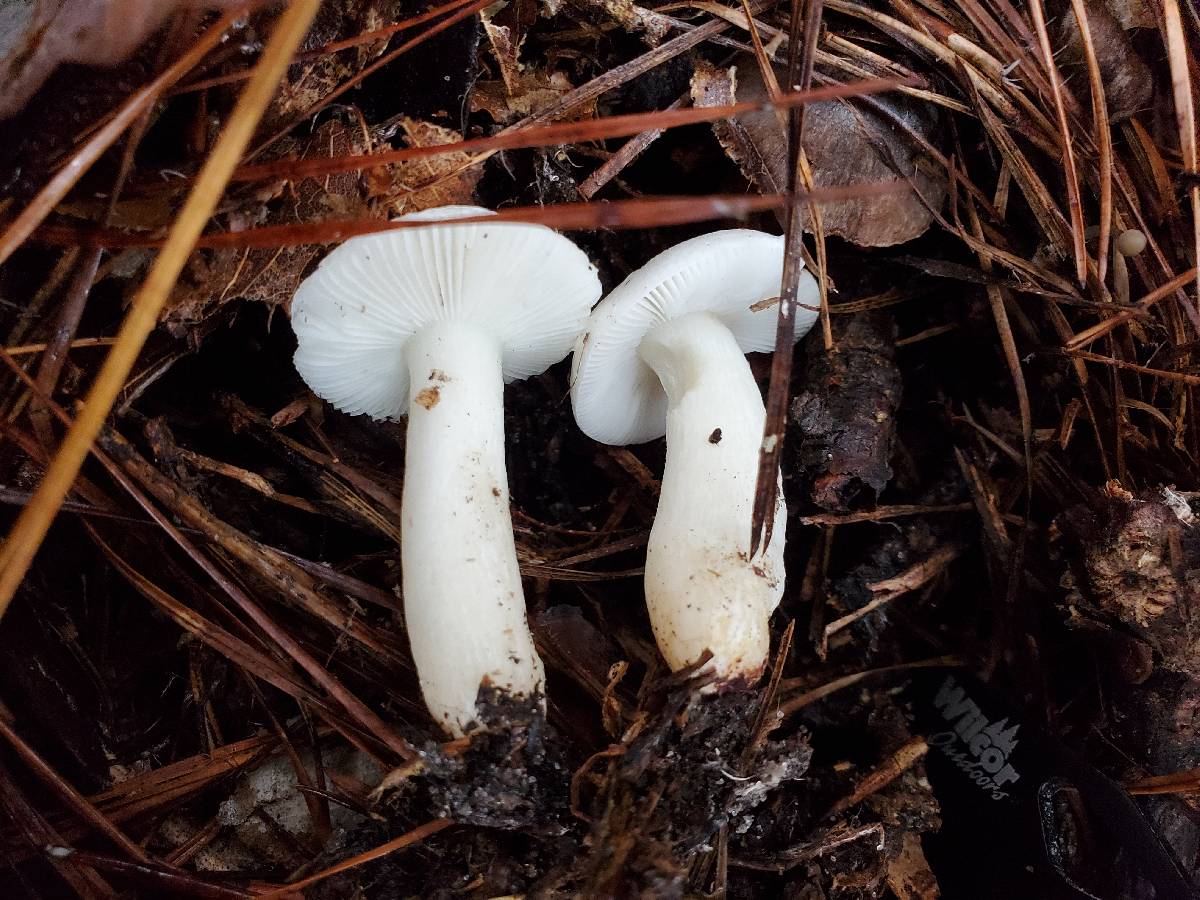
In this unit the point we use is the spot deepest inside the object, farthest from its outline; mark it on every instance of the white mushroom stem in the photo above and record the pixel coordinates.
(463, 601)
(703, 590)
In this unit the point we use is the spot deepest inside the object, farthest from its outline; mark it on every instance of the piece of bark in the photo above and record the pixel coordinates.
(1128, 82)
(846, 144)
(1135, 561)
(844, 415)
(1132, 578)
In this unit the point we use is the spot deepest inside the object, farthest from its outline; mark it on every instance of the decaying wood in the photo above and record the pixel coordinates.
(844, 416)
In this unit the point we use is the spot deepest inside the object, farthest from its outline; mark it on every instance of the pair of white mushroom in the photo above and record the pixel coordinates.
(432, 321)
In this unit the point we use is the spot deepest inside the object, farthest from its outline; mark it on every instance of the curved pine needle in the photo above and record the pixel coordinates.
(1104, 162)
(418, 834)
(1185, 108)
(626, 125)
(1070, 172)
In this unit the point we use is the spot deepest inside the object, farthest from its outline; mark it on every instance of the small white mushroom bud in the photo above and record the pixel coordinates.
(1131, 242)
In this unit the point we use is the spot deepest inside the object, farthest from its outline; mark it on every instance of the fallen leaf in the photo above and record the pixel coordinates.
(271, 276)
(846, 143)
(419, 184)
(214, 277)
(909, 875)
(36, 36)
(311, 82)
(533, 92)
(506, 46)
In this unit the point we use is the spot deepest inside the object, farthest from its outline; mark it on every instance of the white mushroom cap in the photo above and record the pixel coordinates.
(526, 285)
(617, 398)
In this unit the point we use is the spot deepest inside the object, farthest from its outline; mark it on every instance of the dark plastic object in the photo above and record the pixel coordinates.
(1023, 816)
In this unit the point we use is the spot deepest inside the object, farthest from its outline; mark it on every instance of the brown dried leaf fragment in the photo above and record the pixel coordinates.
(310, 82)
(506, 46)
(846, 144)
(533, 92)
(271, 276)
(909, 875)
(419, 184)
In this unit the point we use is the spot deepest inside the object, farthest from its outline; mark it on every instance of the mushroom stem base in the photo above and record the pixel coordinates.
(463, 601)
(704, 591)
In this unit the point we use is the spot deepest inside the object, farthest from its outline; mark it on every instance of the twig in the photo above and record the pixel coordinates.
(629, 151)
(889, 589)
(786, 860)
(882, 513)
(888, 771)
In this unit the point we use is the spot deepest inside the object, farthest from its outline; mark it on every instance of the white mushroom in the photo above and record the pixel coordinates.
(433, 322)
(664, 353)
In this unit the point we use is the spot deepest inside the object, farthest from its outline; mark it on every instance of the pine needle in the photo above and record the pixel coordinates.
(30, 529)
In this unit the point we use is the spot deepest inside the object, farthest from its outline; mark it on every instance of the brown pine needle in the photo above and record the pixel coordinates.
(1102, 328)
(626, 125)
(1183, 377)
(31, 526)
(804, 29)
(1104, 161)
(809, 697)
(389, 57)
(27, 349)
(1074, 203)
(72, 798)
(647, 212)
(430, 828)
(1185, 109)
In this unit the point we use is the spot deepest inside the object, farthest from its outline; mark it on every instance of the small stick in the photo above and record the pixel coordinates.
(630, 150)
(887, 772)
(819, 693)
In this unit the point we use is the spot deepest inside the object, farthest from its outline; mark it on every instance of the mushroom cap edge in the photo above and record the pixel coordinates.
(617, 398)
(353, 316)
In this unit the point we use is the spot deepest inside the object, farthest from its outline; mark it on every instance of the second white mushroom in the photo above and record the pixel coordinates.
(664, 353)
